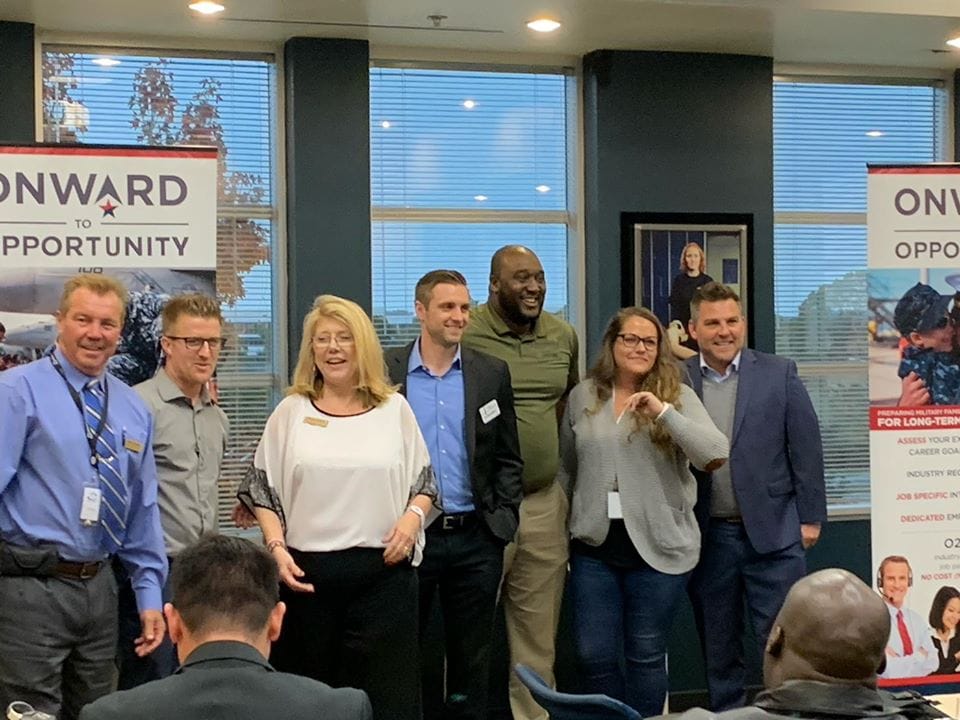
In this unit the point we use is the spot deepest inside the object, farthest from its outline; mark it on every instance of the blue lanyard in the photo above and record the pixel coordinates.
(92, 435)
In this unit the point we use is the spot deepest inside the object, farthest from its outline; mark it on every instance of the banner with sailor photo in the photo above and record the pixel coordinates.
(913, 303)
(145, 215)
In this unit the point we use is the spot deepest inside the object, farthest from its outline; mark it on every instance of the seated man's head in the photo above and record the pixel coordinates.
(831, 628)
(922, 317)
(224, 588)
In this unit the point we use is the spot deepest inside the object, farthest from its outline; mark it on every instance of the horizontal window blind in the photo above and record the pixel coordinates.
(462, 163)
(139, 97)
(825, 133)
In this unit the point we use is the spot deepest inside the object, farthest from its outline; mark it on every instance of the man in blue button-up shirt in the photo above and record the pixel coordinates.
(58, 523)
(464, 405)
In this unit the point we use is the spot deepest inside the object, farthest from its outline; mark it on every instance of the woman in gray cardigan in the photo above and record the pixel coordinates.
(627, 438)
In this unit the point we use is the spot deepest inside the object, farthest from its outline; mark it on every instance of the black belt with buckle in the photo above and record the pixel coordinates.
(453, 522)
(78, 570)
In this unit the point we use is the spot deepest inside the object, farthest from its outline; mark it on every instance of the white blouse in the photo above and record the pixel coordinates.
(344, 481)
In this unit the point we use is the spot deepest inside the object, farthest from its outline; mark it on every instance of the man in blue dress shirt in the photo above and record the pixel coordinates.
(463, 402)
(78, 485)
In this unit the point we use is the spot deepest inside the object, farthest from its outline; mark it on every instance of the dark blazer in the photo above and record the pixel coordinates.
(229, 680)
(948, 664)
(776, 455)
(493, 448)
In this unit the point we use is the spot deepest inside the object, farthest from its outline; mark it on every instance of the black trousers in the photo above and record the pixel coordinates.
(133, 670)
(357, 629)
(461, 569)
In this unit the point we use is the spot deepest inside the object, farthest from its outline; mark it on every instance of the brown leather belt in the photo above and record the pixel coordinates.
(78, 570)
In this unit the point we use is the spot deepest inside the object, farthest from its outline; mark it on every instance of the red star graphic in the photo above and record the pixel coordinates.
(108, 208)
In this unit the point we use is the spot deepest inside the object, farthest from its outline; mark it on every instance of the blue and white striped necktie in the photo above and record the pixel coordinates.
(113, 492)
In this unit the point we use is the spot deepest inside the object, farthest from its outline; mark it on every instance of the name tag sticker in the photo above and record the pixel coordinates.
(133, 445)
(90, 507)
(490, 411)
(315, 421)
(614, 511)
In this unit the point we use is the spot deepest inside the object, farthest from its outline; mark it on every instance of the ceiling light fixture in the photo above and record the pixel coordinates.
(206, 7)
(954, 42)
(543, 25)
(479, 198)
(543, 188)
(385, 124)
(875, 133)
(105, 61)
(469, 104)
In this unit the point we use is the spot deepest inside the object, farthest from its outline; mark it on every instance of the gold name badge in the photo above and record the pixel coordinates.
(132, 445)
(318, 422)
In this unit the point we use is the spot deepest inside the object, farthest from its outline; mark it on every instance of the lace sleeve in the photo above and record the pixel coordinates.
(426, 484)
(254, 492)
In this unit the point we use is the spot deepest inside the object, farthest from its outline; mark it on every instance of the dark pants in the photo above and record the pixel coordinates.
(132, 669)
(57, 641)
(731, 571)
(358, 629)
(462, 568)
(624, 613)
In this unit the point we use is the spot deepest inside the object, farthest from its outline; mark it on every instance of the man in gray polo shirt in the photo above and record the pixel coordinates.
(189, 439)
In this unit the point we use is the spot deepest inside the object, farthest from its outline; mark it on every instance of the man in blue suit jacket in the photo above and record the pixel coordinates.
(764, 508)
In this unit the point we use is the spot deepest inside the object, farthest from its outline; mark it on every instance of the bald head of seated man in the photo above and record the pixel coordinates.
(823, 655)
(832, 628)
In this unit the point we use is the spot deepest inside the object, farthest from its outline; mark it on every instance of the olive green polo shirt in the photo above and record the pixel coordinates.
(188, 443)
(543, 367)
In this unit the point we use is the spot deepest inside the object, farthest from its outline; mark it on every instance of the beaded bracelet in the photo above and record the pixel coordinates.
(274, 544)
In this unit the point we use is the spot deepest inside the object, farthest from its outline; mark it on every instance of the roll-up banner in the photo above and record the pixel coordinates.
(145, 215)
(913, 281)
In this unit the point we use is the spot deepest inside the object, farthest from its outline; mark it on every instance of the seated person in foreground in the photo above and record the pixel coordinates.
(823, 654)
(223, 617)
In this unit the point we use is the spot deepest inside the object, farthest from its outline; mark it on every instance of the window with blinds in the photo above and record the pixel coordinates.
(462, 163)
(825, 132)
(130, 97)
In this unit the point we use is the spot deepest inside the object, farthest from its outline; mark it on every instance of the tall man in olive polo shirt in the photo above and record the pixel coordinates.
(542, 353)
(189, 440)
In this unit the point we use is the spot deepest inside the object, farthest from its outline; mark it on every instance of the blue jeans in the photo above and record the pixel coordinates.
(624, 613)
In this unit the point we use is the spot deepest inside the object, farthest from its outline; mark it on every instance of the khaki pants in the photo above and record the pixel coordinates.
(534, 571)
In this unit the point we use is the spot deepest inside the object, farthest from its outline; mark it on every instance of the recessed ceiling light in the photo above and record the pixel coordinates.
(543, 188)
(875, 133)
(105, 61)
(954, 42)
(543, 25)
(385, 124)
(206, 7)
(469, 104)
(479, 198)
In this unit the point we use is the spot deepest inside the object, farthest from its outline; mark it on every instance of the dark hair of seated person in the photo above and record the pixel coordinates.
(224, 584)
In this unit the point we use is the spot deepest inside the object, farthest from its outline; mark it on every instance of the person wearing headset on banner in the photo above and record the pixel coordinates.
(910, 651)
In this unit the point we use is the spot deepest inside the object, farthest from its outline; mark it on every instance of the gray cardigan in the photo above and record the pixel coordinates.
(657, 489)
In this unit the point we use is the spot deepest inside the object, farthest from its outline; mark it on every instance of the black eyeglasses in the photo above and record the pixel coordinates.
(216, 344)
(631, 341)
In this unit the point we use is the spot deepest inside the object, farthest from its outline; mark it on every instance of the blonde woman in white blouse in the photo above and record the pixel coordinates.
(342, 488)
(627, 439)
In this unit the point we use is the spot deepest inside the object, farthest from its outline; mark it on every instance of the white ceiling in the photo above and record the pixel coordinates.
(896, 33)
